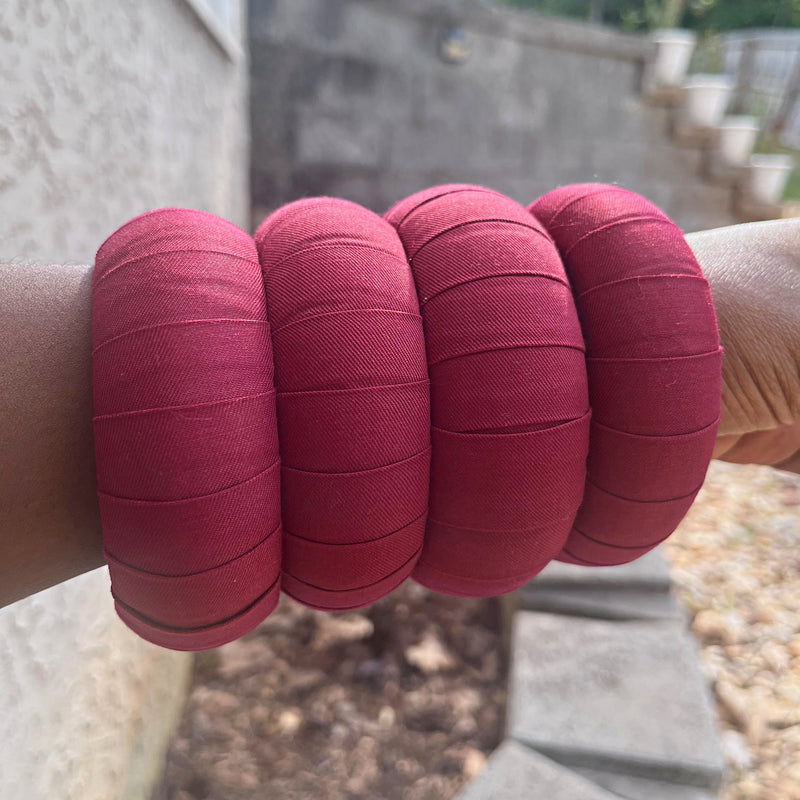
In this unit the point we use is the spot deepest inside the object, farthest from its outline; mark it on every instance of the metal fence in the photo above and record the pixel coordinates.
(766, 69)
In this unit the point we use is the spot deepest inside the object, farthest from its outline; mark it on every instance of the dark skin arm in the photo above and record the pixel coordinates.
(49, 519)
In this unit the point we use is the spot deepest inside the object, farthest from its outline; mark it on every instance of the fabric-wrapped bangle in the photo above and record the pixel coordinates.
(185, 431)
(442, 380)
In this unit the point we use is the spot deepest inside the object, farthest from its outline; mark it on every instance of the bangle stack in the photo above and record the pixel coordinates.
(459, 392)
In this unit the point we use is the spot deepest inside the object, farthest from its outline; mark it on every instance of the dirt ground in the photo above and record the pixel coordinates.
(402, 701)
(736, 565)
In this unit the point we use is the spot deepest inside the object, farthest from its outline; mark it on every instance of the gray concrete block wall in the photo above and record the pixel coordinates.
(351, 98)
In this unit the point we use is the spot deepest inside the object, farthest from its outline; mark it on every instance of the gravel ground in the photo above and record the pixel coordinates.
(736, 565)
(402, 701)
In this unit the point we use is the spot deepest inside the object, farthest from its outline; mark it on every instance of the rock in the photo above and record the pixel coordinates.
(429, 787)
(424, 710)
(213, 701)
(734, 701)
(429, 655)
(299, 680)
(289, 721)
(474, 762)
(738, 754)
(465, 702)
(710, 625)
(236, 771)
(776, 656)
(467, 761)
(363, 765)
(370, 669)
(465, 727)
(244, 657)
(386, 717)
(408, 768)
(336, 630)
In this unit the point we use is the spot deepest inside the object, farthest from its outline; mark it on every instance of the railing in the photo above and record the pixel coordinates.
(766, 69)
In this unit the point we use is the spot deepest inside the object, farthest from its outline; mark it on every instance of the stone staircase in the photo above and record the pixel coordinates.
(698, 119)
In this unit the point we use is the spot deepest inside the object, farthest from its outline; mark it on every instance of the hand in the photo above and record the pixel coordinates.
(754, 272)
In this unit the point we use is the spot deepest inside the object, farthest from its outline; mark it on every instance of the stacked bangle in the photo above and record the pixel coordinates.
(459, 392)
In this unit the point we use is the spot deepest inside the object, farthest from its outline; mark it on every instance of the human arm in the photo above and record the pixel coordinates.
(49, 518)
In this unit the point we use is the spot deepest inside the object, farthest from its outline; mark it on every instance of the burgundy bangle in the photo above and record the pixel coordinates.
(350, 400)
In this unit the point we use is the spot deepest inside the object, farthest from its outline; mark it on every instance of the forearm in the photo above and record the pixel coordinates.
(49, 519)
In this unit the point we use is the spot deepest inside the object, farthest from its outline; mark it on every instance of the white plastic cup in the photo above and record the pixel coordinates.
(674, 50)
(706, 99)
(737, 138)
(768, 177)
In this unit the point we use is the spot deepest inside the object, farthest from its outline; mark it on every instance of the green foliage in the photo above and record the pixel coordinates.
(701, 15)
(725, 15)
(561, 8)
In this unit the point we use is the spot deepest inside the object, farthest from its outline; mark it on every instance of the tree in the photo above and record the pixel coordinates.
(725, 15)
(705, 16)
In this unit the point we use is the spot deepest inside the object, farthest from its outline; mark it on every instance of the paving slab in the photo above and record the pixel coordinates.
(625, 697)
(633, 788)
(515, 772)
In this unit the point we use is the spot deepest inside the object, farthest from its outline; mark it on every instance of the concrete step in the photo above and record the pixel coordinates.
(620, 697)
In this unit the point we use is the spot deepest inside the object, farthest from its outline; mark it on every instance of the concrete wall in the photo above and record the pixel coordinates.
(351, 98)
(107, 109)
